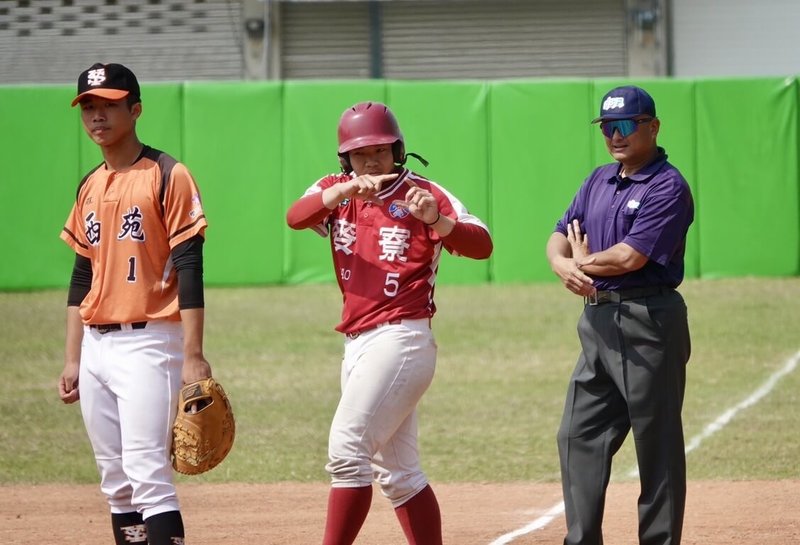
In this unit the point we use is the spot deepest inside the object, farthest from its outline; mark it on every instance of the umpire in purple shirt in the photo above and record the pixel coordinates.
(620, 246)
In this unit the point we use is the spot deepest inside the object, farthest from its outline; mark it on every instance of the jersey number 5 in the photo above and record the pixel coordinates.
(392, 284)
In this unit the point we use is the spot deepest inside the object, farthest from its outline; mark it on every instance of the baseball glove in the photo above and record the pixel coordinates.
(204, 428)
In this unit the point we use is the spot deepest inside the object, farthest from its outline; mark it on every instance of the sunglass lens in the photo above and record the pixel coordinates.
(626, 127)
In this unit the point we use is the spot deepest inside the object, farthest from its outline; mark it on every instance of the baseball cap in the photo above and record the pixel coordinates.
(111, 81)
(626, 102)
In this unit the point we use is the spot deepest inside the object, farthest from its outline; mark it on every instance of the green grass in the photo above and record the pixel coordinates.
(505, 355)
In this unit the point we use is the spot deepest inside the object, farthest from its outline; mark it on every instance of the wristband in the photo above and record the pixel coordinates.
(438, 217)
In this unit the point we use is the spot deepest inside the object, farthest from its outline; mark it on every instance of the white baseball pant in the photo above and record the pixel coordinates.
(385, 372)
(129, 384)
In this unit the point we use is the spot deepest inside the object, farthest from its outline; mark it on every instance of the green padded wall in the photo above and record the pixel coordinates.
(312, 111)
(234, 147)
(540, 153)
(447, 125)
(161, 124)
(747, 177)
(39, 155)
(513, 151)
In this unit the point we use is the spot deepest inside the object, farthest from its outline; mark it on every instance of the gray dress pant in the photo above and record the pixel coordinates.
(630, 375)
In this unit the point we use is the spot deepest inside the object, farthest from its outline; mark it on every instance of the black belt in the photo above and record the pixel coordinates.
(102, 329)
(617, 296)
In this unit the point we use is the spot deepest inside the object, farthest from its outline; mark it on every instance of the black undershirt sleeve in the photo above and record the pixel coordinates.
(81, 281)
(188, 260)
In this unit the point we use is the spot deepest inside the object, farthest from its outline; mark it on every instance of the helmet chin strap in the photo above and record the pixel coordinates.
(415, 156)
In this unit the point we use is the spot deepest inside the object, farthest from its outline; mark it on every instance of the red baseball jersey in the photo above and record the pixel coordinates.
(127, 222)
(385, 259)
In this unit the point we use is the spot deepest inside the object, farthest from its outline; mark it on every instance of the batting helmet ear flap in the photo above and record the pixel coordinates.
(344, 162)
(399, 152)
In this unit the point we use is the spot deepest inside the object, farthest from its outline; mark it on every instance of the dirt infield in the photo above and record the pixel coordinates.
(718, 513)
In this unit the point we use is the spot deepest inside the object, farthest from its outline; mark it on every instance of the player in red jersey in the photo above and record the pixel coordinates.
(135, 307)
(387, 228)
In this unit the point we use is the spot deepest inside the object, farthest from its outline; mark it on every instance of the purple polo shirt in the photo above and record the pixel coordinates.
(650, 211)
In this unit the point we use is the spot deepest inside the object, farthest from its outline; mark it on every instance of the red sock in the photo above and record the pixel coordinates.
(347, 511)
(420, 519)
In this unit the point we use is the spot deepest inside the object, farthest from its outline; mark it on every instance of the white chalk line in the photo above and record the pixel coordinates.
(721, 421)
(537, 524)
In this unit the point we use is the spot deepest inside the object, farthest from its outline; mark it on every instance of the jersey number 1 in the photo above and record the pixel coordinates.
(131, 269)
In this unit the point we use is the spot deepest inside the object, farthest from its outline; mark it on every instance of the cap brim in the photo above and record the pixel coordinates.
(111, 94)
(615, 117)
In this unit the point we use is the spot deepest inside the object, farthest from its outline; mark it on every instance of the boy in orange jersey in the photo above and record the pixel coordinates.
(135, 307)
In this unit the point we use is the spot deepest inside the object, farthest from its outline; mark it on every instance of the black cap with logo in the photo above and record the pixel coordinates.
(111, 81)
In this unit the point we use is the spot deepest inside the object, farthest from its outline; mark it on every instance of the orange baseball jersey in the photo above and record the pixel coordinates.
(127, 222)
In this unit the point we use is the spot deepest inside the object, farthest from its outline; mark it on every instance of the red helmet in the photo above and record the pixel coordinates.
(370, 124)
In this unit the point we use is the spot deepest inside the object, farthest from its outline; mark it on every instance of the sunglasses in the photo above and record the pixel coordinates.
(626, 127)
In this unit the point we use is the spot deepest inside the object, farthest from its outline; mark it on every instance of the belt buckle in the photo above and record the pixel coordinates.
(353, 335)
(591, 300)
(102, 329)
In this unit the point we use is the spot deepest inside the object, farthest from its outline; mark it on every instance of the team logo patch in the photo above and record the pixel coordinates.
(196, 391)
(612, 103)
(398, 209)
(633, 204)
(96, 77)
(135, 534)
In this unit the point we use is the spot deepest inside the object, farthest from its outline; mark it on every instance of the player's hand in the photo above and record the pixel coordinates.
(366, 186)
(195, 368)
(421, 203)
(68, 383)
